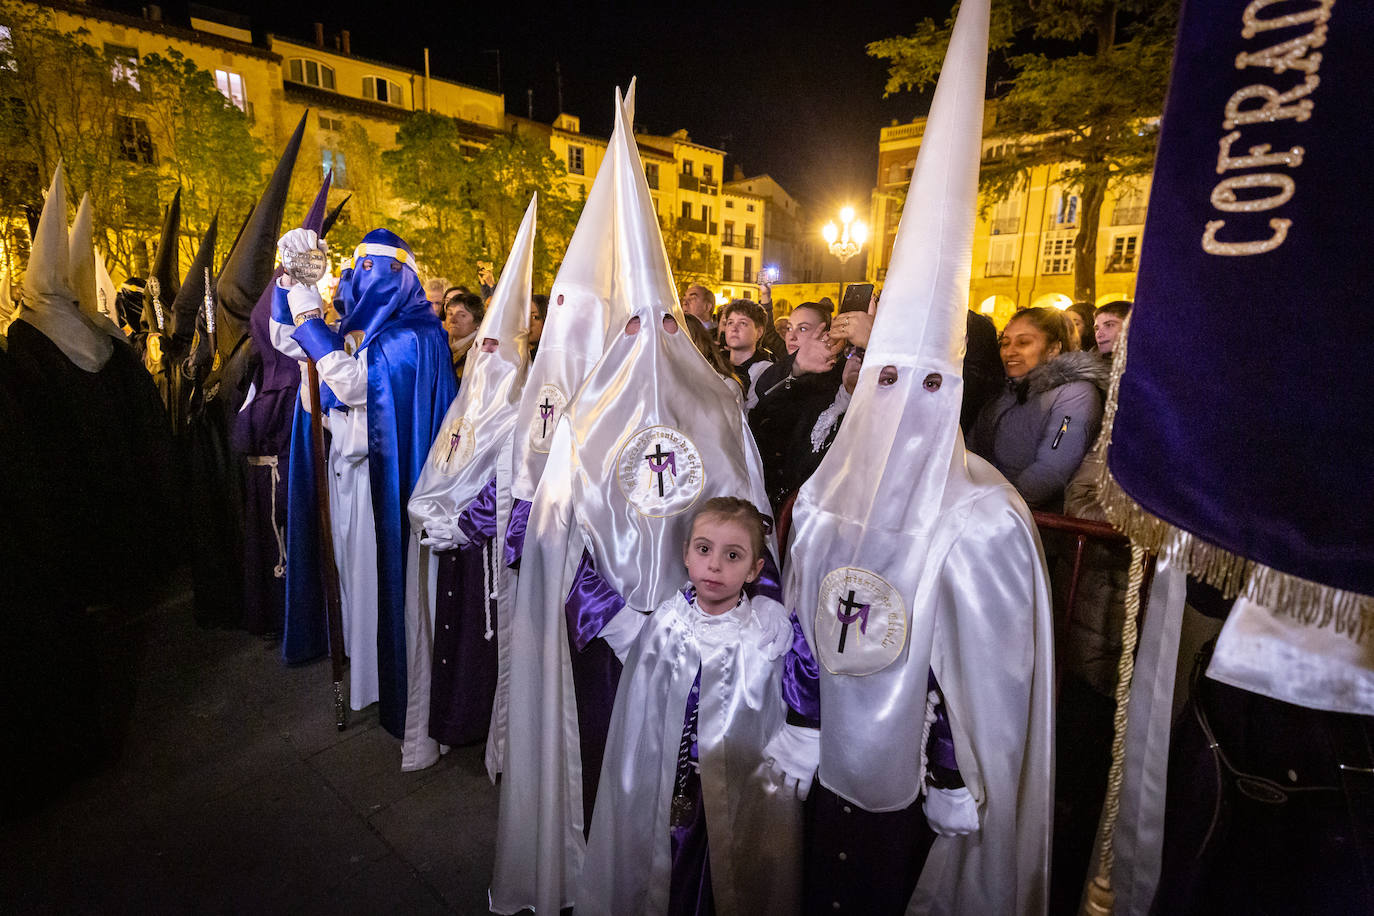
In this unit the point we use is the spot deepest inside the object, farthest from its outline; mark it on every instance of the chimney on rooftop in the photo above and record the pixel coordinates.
(319, 34)
(153, 12)
(347, 48)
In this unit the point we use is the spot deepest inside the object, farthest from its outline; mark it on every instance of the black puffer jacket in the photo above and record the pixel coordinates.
(782, 422)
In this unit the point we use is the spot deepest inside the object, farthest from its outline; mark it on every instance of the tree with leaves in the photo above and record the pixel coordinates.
(1090, 108)
(691, 258)
(203, 146)
(504, 175)
(130, 132)
(430, 176)
(459, 209)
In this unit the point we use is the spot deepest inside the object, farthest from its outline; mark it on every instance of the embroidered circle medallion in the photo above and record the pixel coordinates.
(860, 622)
(549, 408)
(660, 471)
(454, 446)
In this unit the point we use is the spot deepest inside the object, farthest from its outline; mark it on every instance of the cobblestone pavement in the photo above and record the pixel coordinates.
(233, 792)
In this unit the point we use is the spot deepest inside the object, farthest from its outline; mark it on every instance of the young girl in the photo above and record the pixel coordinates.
(698, 700)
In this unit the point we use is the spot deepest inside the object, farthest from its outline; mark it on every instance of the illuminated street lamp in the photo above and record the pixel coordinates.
(847, 241)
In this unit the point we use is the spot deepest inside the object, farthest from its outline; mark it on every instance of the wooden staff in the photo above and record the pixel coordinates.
(308, 267)
(333, 606)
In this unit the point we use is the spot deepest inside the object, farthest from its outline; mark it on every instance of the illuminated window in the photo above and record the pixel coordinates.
(687, 167)
(135, 141)
(311, 73)
(1065, 209)
(707, 172)
(381, 89)
(230, 85)
(1057, 254)
(576, 163)
(1001, 258)
(1122, 258)
(123, 64)
(333, 160)
(334, 124)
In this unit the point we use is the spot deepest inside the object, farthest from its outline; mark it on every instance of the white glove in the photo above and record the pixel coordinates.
(439, 536)
(303, 300)
(298, 240)
(951, 812)
(793, 755)
(621, 630)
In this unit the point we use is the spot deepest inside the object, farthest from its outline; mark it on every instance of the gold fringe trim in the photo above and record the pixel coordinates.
(1309, 603)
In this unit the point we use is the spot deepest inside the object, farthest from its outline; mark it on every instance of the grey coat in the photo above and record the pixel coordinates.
(1039, 428)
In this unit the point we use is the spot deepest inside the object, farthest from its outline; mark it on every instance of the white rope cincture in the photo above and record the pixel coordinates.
(932, 700)
(487, 594)
(270, 461)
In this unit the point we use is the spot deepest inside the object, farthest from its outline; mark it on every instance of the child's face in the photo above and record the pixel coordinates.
(720, 559)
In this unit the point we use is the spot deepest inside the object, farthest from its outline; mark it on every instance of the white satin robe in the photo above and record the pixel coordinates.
(753, 823)
(350, 509)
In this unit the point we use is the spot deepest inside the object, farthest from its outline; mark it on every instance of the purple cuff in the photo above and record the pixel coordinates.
(944, 768)
(316, 339)
(478, 520)
(801, 681)
(591, 603)
(515, 532)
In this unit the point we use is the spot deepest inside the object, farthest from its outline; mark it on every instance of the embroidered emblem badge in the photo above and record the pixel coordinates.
(660, 471)
(861, 622)
(454, 446)
(550, 407)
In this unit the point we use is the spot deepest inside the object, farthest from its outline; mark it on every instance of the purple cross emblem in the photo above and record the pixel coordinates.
(856, 611)
(660, 461)
(546, 414)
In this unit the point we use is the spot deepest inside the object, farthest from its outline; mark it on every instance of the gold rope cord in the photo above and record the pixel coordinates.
(1099, 899)
(1310, 603)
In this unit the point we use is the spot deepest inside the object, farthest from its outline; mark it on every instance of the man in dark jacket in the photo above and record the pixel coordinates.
(792, 394)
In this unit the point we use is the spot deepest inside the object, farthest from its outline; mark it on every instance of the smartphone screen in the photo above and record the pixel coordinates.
(856, 297)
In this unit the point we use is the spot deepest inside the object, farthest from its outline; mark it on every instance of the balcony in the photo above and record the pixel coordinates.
(687, 182)
(1128, 216)
(1000, 269)
(698, 225)
(1008, 226)
(738, 276)
(1120, 264)
(730, 240)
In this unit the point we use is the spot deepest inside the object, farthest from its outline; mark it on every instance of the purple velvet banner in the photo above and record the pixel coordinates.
(1246, 415)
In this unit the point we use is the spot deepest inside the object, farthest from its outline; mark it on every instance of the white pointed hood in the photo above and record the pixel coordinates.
(106, 291)
(887, 468)
(86, 270)
(871, 517)
(580, 313)
(49, 291)
(655, 429)
(912, 557)
(479, 421)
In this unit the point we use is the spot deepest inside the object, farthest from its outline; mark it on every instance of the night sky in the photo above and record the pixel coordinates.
(783, 88)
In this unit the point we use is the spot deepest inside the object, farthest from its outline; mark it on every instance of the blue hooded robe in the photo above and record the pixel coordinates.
(410, 383)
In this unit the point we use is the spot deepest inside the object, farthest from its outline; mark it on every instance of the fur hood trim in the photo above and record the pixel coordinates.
(1074, 366)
